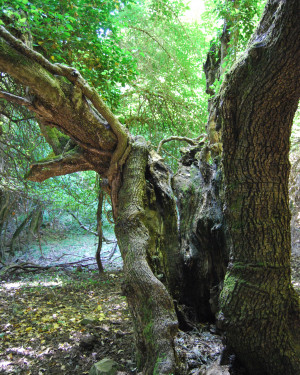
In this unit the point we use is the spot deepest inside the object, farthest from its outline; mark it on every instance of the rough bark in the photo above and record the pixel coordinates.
(259, 309)
(141, 231)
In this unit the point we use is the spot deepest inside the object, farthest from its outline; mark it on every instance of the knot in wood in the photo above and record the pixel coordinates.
(75, 73)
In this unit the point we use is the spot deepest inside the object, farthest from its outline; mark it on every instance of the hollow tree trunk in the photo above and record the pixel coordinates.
(198, 186)
(259, 308)
(146, 229)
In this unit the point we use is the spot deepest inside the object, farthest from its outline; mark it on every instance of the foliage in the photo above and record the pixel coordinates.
(241, 16)
(20, 137)
(231, 22)
(167, 97)
(83, 34)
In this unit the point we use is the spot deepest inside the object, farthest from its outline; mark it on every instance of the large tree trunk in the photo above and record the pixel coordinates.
(259, 308)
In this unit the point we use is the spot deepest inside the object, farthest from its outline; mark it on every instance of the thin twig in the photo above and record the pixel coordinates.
(16, 99)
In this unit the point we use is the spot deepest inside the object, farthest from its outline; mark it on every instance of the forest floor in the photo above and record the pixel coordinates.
(62, 320)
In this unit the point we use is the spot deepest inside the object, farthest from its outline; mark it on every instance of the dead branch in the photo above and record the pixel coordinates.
(16, 99)
(191, 141)
(107, 241)
(82, 225)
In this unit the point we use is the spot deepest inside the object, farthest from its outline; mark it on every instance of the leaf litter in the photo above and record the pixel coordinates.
(62, 324)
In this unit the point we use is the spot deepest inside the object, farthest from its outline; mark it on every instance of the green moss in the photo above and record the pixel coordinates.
(160, 359)
(184, 188)
(148, 332)
(139, 359)
(49, 157)
(230, 282)
(147, 317)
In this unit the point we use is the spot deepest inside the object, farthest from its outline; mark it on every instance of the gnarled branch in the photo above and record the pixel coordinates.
(90, 93)
(70, 162)
(190, 141)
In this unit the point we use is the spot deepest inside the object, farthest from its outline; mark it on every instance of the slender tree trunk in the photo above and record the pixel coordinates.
(141, 232)
(35, 226)
(5, 208)
(18, 231)
(259, 308)
(99, 231)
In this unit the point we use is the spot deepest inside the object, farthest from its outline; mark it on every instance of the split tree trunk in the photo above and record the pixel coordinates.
(203, 254)
(257, 103)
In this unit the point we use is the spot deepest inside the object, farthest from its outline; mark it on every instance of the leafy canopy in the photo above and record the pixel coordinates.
(80, 33)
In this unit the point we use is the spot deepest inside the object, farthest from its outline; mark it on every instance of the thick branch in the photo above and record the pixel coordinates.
(56, 102)
(90, 93)
(72, 161)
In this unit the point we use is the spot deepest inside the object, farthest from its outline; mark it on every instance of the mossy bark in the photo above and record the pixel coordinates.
(143, 236)
(259, 308)
(60, 104)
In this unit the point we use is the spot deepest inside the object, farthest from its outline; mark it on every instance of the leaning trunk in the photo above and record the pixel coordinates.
(146, 228)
